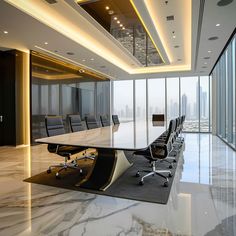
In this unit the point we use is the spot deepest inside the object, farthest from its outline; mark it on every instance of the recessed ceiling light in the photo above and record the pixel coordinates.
(5, 32)
(91, 59)
(46, 43)
(127, 33)
(115, 18)
(121, 25)
(107, 8)
(83, 60)
(209, 51)
(110, 12)
(174, 36)
(217, 25)
(118, 22)
(123, 28)
(205, 63)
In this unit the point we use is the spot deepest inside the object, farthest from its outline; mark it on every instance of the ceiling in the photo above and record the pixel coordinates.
(64, 27)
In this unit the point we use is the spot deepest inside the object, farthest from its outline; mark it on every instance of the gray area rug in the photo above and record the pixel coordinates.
(127, 186)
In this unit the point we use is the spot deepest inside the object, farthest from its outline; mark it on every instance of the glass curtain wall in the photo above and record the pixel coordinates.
(190, 103)
(156, 96)
(189, 96)
(224, 74)
(172, 88)
(123, 100)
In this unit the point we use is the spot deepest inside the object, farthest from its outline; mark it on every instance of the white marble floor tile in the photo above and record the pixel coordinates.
(202, 199)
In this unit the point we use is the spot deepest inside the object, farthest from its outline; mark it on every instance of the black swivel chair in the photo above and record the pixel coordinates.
(54, 126)
(91, 122)
(115, 119)
(104, 121)
(76, 126)
(155, 153)
(75, 123)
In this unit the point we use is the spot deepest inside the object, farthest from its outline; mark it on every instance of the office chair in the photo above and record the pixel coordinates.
(104, 121)
(157, 152)
(75, 123)
(91, 122)
(115, 119)
(76, 126)
(54, 126)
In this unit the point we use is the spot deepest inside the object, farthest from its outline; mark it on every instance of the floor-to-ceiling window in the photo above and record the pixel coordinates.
(204, 103)
(172, 103)
(123, 100)
(224, 74)
(139, 99)
(156, 96)
(190, 101)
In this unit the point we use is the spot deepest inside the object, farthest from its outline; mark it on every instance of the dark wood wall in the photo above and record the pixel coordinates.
(7, 97)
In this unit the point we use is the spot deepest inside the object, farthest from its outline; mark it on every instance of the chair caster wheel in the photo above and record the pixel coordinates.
(58, 176)
(170, 166)
(137, 174)
(49, 171)
(166, 184)
(170, 175)
(81, 172)
(174, 161)
(141, 182)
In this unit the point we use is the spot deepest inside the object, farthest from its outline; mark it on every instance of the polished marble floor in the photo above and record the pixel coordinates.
(202, 199)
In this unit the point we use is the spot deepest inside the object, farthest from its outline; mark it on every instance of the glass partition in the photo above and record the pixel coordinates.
(58, 88)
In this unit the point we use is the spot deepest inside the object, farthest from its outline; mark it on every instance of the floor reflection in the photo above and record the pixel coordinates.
(202, 199)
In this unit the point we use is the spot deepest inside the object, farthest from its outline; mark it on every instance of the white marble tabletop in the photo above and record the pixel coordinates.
(126, 136)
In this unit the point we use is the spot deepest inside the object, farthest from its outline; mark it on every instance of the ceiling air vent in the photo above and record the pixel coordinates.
(51, 1)
(168, 18)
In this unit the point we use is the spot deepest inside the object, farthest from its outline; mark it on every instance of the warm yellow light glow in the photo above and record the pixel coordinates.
(49, 16)
(96, 73)
(26, 98)
(146, 28)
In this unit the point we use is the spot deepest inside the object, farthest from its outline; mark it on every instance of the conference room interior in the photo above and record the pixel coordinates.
(117, 117)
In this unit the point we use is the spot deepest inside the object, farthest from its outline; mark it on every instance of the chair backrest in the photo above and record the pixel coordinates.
(104, 121)
(115, 119)
(75, 123)
(91, 122)
(170, 131)
(54, 125)
(158, 117)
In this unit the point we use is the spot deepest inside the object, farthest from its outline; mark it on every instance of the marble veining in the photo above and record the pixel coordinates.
(202, 199)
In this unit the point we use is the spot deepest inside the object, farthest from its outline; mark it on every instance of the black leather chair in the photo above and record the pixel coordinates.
(104, 121)
(54, 126)
(76, 126)
(115, 119)
(75, 123)
(158, 151)
(91, 122)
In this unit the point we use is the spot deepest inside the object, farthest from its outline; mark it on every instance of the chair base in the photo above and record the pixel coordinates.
(154, 172)
(64, 166)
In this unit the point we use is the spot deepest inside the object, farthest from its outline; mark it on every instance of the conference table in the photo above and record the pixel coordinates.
(110, 143)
